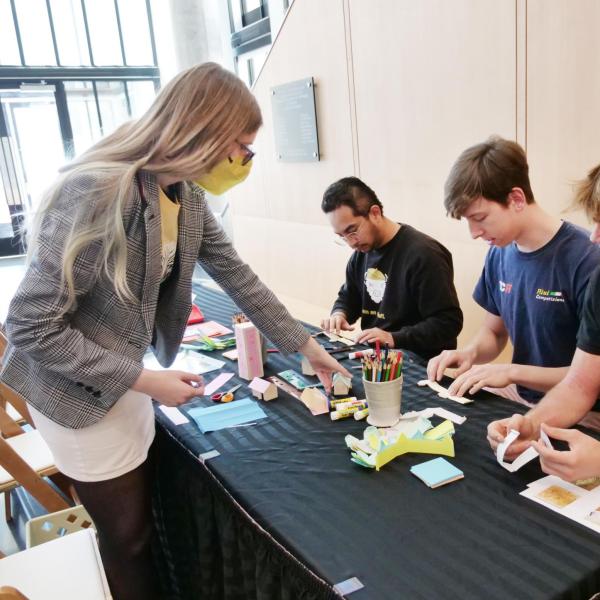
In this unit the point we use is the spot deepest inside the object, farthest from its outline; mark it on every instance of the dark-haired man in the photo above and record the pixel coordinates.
(399, 281)
(533, 281)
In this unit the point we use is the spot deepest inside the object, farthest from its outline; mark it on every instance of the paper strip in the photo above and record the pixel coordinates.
(348, 586)
(442, 392)
(523, 458)
(207, 455)
(174, 414)
(216, 383)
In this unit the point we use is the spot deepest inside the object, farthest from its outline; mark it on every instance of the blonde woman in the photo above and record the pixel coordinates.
(111, 257)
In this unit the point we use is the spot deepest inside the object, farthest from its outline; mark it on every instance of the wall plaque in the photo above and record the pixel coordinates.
(295, 121)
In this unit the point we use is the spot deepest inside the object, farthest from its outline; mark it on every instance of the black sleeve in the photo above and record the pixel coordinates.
(431, 282)
(588, 336)
(349, 300)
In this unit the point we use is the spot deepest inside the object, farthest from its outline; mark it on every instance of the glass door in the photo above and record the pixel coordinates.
(32, 151)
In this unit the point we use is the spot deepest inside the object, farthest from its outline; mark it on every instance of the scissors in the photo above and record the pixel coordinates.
(225, 396)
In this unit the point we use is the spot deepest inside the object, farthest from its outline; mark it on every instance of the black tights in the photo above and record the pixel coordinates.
(122, 512)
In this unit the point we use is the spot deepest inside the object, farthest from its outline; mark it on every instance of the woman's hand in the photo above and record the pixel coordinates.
(322, 363)
(171, 388)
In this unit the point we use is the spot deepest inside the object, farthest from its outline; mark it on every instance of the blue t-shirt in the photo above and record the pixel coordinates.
(539, 296)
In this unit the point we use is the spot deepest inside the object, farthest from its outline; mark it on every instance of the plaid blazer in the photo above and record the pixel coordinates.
(74, 367)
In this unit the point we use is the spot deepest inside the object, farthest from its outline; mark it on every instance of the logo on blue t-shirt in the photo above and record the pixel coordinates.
(549, 295)
(505, 288)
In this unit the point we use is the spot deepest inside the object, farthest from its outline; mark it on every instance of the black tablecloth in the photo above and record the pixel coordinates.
(282, 512)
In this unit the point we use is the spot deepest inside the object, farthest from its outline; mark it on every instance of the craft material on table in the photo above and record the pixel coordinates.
(437, 411)
(295, 379)
(442, 392)
(250, 360)
(379, 447)
(222, 416)
(209, 329)
(579, 501)
(174, 414)
(285, 386)
(382, 366)
(341, 384)
(231, 354)
(207, 344)
(186, 360)
(196, 316)
(263, 389)
(437, 472)
(521, 460)
(227, 396)
(315, 401)
(216, 383)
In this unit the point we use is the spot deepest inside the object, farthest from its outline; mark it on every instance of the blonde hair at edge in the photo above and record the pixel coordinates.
(185, 133)
(587, 195)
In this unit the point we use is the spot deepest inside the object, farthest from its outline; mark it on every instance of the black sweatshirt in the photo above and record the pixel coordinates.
(405, 287)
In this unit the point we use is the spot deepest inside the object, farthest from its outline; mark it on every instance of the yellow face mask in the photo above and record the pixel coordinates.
(225, 175)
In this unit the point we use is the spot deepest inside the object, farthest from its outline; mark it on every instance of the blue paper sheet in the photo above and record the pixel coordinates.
(436, 472)
(213, 418)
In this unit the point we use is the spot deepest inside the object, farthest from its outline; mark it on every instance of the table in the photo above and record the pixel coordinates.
(282, 512)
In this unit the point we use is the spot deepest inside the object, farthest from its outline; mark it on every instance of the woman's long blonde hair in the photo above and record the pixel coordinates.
(185, 133)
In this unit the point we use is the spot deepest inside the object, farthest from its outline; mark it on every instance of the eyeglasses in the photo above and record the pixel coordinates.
(248, 153)
(346, 238)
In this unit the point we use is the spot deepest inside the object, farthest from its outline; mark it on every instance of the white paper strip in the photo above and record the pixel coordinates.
(174, 414)
(523, 458)
(442, 392)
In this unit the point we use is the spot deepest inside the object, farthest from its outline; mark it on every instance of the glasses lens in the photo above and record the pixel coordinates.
(249, 154)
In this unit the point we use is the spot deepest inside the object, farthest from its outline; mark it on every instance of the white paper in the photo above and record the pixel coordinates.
(186, 360)
(546, 439)
(442, 392)
(216, 383)
(438, 411)
(523, 458)
(174, 414)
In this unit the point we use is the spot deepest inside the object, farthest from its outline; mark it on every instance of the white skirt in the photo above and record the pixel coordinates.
(113, 446)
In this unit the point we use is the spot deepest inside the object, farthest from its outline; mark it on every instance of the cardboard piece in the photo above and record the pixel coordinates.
(307, 367)
(341, 385)
(247, 338)
(263, 389)
(315, 401)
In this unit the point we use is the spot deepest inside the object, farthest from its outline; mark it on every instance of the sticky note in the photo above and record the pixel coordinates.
(437, 472)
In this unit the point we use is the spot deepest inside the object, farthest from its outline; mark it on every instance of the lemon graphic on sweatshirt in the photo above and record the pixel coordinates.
(375, 282)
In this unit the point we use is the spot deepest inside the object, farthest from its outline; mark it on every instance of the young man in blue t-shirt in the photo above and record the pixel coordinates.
(533, 281)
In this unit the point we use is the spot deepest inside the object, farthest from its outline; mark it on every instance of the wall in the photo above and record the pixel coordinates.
(402, 88)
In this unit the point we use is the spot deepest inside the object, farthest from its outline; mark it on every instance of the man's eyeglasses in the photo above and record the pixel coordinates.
(350, 236)
(248, 153)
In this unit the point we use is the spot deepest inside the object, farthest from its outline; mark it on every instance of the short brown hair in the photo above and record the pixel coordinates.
(489, 170)
(587, 195)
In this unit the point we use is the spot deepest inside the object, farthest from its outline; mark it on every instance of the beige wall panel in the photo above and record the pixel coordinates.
(297, 260)
(432, 78)
(312, 43)
(563, 96)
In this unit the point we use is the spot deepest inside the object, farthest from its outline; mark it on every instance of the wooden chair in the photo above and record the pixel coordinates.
(10, 593)
(24, 456)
